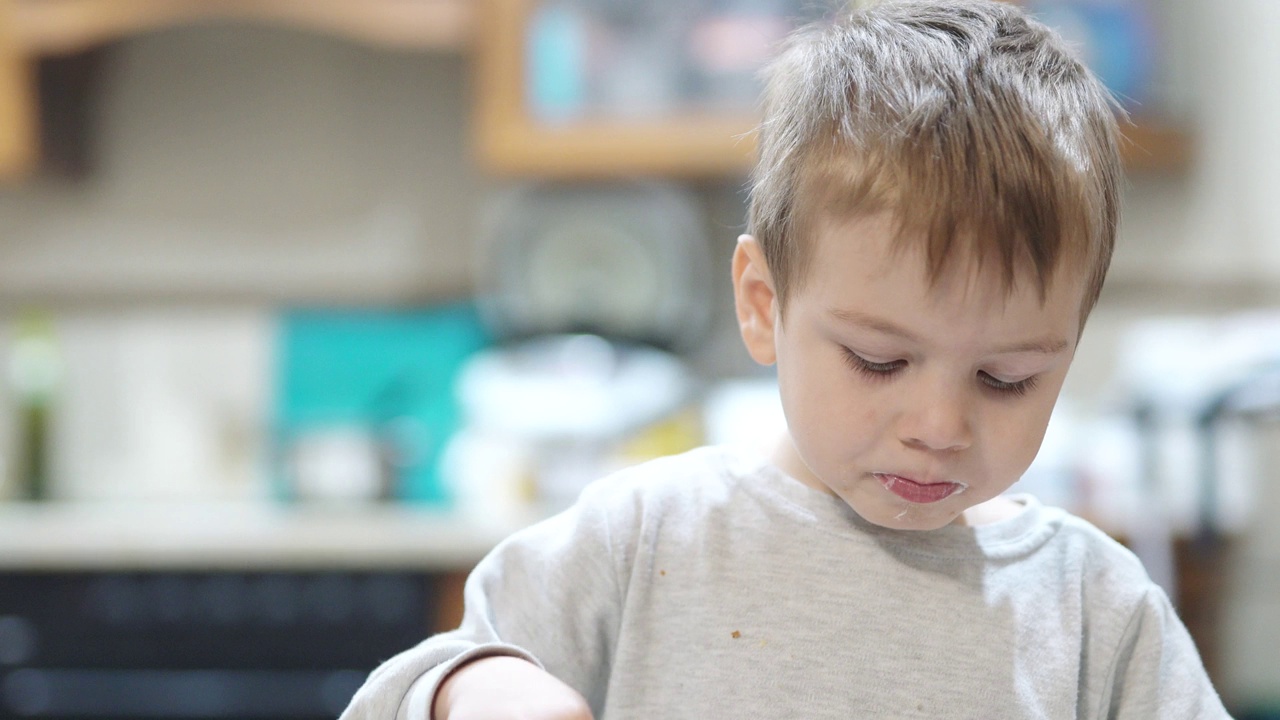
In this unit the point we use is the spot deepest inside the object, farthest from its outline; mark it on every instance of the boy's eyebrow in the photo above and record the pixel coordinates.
(1043, 346)
(871, 322)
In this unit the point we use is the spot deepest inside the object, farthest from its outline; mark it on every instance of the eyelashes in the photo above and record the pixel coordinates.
(882, 372)
(1016, 389)
(872, 370)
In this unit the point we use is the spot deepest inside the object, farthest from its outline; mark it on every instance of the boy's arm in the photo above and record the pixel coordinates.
(549, 595)
(1157, 671)
(504, 687)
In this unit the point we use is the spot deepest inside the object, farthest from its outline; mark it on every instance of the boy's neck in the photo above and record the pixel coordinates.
(994, 510)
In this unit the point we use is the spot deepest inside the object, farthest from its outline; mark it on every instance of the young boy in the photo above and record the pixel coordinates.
(932, 217)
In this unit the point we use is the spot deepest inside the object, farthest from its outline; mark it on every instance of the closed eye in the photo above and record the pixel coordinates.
(874, 370)
(884, 371)
(1015, 389)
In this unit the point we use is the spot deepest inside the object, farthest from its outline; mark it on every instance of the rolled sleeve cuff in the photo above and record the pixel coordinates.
(417, 703)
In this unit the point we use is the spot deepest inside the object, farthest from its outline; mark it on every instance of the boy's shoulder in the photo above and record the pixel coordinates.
(1102, 561)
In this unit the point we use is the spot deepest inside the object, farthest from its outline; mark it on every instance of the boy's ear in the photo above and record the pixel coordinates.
(754, 298)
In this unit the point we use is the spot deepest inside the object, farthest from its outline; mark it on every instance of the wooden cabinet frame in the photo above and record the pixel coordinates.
(61, 26)
(18, 126)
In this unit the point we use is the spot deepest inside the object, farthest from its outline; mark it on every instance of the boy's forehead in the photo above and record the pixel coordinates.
(879, 242)
(862, 273)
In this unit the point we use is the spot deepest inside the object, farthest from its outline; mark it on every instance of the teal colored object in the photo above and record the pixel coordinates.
(556, 57)
(389, 372)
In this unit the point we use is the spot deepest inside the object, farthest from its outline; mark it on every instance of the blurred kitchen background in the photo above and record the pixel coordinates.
(305, 305)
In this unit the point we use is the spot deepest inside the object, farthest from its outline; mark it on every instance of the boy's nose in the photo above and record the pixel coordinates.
(937, 420)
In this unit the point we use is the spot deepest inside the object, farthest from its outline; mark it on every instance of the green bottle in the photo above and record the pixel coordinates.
(35, 371)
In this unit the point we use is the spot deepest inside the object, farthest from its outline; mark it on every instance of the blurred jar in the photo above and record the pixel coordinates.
(35, 374)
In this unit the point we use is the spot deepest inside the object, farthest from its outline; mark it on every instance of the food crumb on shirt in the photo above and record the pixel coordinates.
(736, 634)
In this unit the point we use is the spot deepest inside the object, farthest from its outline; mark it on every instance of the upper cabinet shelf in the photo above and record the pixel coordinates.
(511, 143)
(59, 26)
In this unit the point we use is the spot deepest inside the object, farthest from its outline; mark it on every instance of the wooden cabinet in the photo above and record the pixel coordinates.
(31, 29)
(18, 141)
(511, 140)
(59, 26)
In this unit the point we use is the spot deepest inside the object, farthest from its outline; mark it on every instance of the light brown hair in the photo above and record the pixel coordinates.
(971, 122)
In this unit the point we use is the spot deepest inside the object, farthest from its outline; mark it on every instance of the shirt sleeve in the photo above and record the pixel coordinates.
(1157, 671)
(549, 594)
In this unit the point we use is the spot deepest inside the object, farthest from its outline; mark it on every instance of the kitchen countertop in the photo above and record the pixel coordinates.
(242, 536)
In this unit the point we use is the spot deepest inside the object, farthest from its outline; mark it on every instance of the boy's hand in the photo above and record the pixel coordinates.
(502, 688)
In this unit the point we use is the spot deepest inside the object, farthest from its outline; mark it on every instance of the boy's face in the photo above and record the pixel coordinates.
(912, 402)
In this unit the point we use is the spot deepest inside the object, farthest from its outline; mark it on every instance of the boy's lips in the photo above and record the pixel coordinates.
(919, 492)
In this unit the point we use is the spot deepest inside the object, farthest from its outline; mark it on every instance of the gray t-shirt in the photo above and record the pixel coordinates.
(711, 585)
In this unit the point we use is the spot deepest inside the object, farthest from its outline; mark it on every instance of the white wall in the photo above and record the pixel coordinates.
(254, 163)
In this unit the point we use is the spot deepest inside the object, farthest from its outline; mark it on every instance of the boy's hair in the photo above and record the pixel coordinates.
(972, 123)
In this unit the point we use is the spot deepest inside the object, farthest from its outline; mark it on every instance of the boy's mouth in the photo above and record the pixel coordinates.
(918, 492)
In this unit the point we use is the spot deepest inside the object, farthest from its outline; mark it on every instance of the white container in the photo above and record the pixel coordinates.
(543, 418)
